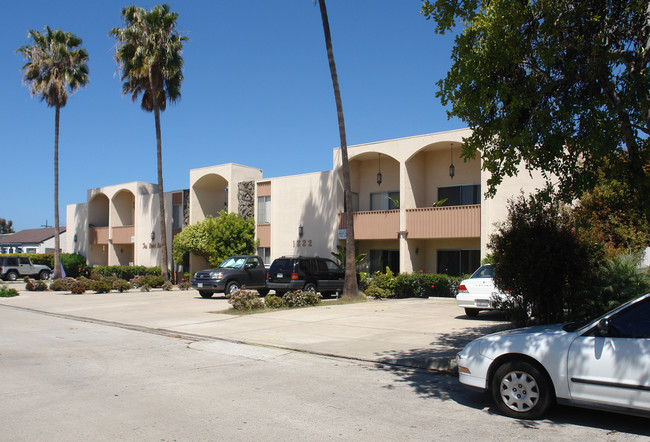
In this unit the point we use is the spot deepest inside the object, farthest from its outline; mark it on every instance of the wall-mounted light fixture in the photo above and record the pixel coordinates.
(300, 231)
(452, 169)
(153, 235)
(75, 237)
(379, 170)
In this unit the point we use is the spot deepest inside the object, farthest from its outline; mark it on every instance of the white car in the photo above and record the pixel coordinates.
(478, 292)
(604, 364)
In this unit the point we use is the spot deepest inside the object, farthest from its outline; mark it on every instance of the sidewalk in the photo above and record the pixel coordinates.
(418, 333)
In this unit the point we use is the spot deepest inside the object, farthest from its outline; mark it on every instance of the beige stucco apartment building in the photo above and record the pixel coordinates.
(397, 187)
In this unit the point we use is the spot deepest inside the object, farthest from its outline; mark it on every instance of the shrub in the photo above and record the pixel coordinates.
(245, 300)
(299, 298)
(101, 286)
(6, 292)
(424, 285)
(185, 285)
(126, 272)
(62, 285)
(73, 264)
(78, 287)
(539, 258)
(167, 286)
(145, 288)
(150, 280)
(85, 282)
(273, 301)
(121, 285)
(384, 280)
(35, 285)
(364, 281)
(377, 292)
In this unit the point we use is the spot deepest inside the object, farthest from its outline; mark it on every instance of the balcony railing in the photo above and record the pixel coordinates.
(444, 222)
(98, 235)
(376, 224)
(123, 234)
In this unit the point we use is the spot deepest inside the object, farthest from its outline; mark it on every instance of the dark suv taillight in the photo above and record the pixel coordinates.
(294, 276)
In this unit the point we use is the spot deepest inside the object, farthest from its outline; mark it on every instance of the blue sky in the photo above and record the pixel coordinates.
(257, 91)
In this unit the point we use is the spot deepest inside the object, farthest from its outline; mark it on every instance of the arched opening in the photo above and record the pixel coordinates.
(209, 196)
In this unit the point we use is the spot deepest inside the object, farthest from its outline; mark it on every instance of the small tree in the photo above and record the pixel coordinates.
(541, 262)
(6, 226)
(216, 238)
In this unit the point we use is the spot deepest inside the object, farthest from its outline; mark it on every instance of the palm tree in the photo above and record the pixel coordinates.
(350, 287)
(55, 65)
(149, 55)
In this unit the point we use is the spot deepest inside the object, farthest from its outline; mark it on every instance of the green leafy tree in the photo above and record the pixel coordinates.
(561, 85)
(215, 239)
(350, 287)
(6, 226)
(148, 53)
(605, 215)
(541, 262)
(56, 65)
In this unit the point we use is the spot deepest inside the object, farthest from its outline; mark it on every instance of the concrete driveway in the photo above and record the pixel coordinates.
(418, 333)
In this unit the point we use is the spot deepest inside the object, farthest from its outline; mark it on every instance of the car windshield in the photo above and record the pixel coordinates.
(233, 263)
(483, 272)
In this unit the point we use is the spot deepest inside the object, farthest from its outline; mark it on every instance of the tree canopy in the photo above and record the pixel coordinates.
(216, 238)
(561, 85)
(6, 226)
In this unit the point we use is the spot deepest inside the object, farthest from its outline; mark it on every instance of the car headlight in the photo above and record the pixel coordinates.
(216, 275)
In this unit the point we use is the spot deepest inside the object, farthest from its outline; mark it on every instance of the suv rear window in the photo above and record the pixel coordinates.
(281, 265)
(9, 261)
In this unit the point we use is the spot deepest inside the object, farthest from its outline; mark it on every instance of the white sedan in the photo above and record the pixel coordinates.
(604, 364)
(478, 292)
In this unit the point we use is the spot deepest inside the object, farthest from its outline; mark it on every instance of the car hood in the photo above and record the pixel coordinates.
(536, 341)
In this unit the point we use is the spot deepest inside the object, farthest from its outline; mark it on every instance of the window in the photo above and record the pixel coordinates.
(458, 262)
(633, 322)
(460, 195)
(30, 250)
(380, 259)
(265, 253)
(177, 216)
(263, 210)
(384, 200)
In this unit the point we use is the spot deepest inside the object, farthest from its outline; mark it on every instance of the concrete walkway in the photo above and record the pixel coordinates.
(418, 333)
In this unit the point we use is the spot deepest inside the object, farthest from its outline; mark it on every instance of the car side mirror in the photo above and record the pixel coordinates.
(603, 327)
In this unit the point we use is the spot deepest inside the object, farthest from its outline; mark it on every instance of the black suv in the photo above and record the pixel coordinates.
(302, 273)
(231, 275)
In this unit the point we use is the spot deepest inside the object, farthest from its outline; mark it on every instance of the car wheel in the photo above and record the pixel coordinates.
(12, 276)
(205, 294)
(472, 312)
(232, 287)
(309, 287)
(521, 390)
(263, 292)
(44, 274)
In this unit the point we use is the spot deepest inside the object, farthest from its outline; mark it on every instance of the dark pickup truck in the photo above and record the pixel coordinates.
(234, 273)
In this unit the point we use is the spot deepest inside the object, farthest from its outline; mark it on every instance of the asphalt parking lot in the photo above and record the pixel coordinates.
(418, 333)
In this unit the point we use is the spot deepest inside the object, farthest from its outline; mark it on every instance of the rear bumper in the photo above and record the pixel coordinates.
(292, 285)
(466, 300)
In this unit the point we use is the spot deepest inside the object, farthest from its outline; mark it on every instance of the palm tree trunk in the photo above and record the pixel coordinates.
(161, 193)
(57, 248)
(350, 287)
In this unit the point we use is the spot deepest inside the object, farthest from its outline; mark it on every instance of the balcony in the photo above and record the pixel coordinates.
(444, 222)
(123, 234)
(98, 235)
(376, 224)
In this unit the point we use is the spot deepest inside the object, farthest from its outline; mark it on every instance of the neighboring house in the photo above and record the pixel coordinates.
(397, 185)
(32, 241)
